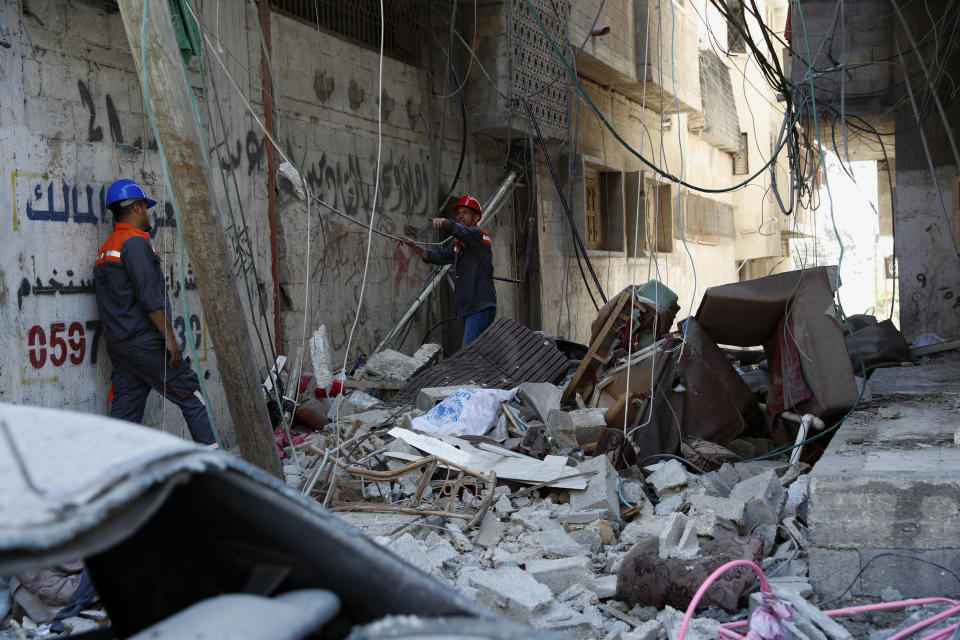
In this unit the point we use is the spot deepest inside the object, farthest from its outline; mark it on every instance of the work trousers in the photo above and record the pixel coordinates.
(476, 323)
(141, 364)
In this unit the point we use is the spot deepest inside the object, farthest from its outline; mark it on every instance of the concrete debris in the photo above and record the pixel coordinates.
(669, 477)
(511, 591)
(601, 491)
(394, 366)
(561, 573)
(322, 357)
(541, 397)
(429, 397)
(582, 425)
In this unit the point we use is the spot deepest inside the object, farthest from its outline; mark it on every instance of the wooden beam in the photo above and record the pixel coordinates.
(181, 140)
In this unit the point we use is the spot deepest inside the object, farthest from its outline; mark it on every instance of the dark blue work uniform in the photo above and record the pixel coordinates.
(129, 285)
(474, 295)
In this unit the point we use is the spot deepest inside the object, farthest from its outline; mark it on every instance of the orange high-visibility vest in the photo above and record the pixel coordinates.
(110, 251)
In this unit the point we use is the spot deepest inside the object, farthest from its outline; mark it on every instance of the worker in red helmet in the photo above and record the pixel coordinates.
(471, 255)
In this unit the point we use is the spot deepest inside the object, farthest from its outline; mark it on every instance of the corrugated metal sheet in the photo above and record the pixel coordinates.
(504, 355)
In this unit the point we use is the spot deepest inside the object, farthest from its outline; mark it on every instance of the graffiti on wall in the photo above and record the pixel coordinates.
(58, 330)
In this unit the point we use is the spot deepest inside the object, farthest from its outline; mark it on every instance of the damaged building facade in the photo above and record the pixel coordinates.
(74, 119)
(671, 429)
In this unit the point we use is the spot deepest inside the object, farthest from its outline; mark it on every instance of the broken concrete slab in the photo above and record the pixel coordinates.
(585, 425)
(698, 629)
(605, 586)
(601, 491)
(511, 591)
(561, 573)
(671, 534)
(645, 527)
(669, 477)
(491, 531)
(796, 501)
(542, 397)
(430, 397)
(394, 366)
(554, 541)
(762, 495)
(672, 503)
(649, 630)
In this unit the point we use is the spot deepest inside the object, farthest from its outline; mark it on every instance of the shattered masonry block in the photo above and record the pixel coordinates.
(688, 545)
(796, 502)
(393, 365)
(512, 592)
(542, 397)
(644, 527)
(583, 517)
(605, 586)
(491, 531)
(725, 508)
(769, 533)
(765, 485)
(555, 541)
(427, 353)
(566, 621)
(670, 537)
(649, 630)
(589, 537)
(698, 629)
(669, 477)
(561, 573)
(429, 397)
(670, 504)
(367, 420)
(762, 494)
(601, 491)
(708, 523)
(585, 424)
(415, 552)
(322, 358)
(341, 407)
(363, 401)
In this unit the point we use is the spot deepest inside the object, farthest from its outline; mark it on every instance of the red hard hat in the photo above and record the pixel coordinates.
(468, 202)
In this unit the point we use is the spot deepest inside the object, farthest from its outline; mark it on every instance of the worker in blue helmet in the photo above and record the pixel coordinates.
(133, 304)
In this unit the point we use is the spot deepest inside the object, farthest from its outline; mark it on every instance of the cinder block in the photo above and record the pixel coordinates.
(584, 424)
(729, 509)
(561, 573)
(512, 592)
(670, 476)
(601, 491)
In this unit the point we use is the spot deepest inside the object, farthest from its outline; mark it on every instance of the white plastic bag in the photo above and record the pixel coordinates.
(467, 412)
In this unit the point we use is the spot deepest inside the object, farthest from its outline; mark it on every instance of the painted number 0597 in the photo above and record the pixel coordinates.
(60, 343)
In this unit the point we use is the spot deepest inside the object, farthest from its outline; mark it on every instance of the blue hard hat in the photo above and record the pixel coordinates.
(127, 190)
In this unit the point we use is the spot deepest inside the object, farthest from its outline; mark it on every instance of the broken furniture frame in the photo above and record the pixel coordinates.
(448, 488)
(587, 374)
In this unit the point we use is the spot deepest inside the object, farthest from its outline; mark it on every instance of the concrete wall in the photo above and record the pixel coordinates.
(72, 116)
(716, 240)
(73, 121)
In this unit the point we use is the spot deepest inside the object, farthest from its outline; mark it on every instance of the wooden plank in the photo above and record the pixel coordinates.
(949, 345)
(551, 470)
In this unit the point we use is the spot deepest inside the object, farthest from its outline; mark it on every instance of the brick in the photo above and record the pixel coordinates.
(561, 573)
(512, 592)
(601, 491)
